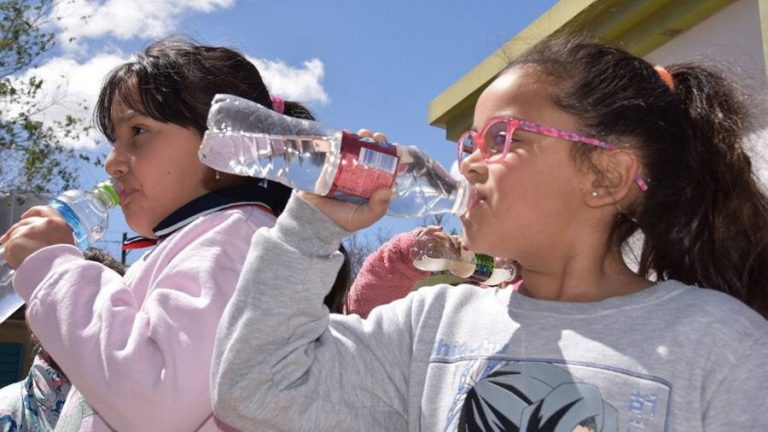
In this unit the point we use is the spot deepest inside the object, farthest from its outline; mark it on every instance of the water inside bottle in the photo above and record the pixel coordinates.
(248, 139)
(463, 266)
(298, 162)
(498, 276)
(79, 232)
(430, 264)
(424, 187)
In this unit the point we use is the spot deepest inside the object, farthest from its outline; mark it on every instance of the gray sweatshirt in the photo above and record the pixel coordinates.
(668, 358)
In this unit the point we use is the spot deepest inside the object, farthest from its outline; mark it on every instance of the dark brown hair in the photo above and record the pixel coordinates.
(704, 216)
(337, 297)
(174, 81)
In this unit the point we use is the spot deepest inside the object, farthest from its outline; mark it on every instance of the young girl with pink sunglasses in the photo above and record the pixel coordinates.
(576, 147)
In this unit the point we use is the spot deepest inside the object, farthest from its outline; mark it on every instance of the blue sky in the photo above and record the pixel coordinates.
(354, 63)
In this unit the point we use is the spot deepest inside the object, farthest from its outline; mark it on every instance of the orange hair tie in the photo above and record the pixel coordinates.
(665, 76)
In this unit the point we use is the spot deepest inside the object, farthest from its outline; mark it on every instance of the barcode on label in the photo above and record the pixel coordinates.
(377, 160)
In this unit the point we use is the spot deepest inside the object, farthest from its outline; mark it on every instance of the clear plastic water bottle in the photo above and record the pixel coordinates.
(248, 139)
(86, 214)
(433, 253)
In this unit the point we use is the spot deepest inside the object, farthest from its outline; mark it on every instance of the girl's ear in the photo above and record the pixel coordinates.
(613, 181)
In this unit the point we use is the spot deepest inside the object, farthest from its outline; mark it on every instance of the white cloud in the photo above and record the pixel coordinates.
(71, 88)
(124, 19)
(296, 84)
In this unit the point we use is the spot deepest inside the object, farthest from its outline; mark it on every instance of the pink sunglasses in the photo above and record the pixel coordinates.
(495, 138)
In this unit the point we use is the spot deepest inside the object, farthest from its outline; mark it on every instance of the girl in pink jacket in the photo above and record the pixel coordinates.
(138, 348)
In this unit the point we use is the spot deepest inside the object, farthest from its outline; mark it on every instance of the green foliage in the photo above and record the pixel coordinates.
(33, 157)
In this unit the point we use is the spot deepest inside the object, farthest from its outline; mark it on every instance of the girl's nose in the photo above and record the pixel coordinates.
(115, 165)
(473, 167)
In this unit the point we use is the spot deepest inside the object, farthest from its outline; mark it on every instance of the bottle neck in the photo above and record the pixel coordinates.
(106, 194)
(464, 195)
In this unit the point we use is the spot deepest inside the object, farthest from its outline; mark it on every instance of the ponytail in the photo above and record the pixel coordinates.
(714, 232)
(297, 110)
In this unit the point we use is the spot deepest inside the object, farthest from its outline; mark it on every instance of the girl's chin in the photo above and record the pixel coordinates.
(472, 220)
(139, 228)
(469, 238)
(475, 241)
(465, 239)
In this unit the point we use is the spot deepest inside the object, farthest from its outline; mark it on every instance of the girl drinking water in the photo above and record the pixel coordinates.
(575, 147)
(139, 348)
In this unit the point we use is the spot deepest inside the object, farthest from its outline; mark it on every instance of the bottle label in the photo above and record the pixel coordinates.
(365, 166)
(483, 268)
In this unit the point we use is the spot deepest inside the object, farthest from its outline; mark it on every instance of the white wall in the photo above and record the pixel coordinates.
(732, 40)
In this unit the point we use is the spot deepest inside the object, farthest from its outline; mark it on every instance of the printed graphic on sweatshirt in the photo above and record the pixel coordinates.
(501, 394)
(35, 403)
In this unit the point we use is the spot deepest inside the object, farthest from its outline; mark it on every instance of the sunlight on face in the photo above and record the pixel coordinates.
(158, 165)
(527, 202)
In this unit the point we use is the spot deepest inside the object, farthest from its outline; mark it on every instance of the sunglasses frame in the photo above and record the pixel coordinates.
(514, 123)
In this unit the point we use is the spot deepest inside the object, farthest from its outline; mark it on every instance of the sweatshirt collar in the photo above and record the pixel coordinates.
(222, 199)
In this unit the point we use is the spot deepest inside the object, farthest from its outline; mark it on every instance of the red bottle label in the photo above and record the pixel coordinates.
(365, 166)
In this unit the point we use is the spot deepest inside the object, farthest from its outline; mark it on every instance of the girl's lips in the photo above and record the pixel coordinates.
(125, 193)
(474, 200)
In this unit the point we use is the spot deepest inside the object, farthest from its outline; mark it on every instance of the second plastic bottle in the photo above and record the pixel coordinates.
(246, 138)
(86, 213)
(433, 253)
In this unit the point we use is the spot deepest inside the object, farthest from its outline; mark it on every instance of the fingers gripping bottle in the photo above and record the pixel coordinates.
(86, 214)
(246, 138)
(432, 253)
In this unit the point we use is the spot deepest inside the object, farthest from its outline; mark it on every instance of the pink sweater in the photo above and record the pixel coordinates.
(386, 275)
(139, 348)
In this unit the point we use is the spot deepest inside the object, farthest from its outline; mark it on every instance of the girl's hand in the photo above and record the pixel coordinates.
(446, 244)
(39, 227)
(350, 216)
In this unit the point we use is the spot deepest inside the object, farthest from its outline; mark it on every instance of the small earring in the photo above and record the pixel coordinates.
(595, 193)
(218, 175)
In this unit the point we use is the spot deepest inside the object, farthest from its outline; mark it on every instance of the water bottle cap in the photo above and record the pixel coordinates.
(111, 187)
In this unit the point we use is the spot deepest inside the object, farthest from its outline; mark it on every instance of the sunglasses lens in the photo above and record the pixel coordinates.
(466, 145)
(495, 137)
